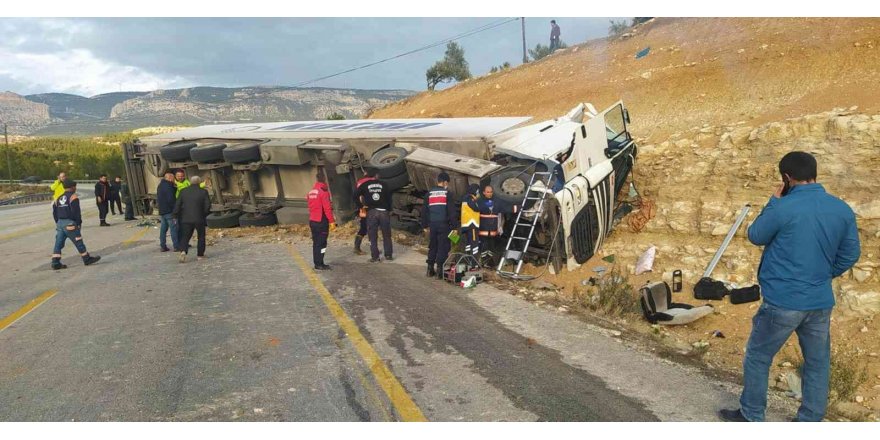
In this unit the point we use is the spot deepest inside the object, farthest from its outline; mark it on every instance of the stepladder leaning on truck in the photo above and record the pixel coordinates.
(565, 173)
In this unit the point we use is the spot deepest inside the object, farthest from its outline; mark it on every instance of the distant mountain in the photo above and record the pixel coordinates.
(61, 113)
(22, 115)
(66, 107)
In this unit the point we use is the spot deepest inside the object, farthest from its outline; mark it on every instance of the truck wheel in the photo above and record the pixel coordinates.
(243, 153)
(252, 219)
(225, 219)
(510, 186)
(397, 182)
(207, 153)
(389, 162)
(177, 152)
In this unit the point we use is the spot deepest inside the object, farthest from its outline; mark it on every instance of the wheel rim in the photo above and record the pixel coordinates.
(513, 186)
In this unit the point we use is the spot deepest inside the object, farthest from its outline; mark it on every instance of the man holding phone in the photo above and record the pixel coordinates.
(809, 237)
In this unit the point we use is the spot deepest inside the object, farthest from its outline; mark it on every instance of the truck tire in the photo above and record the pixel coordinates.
(207, 153)
(510, 186)
(389, 162)
(177, 152)
(225, 219)
(396, 182)
(242, 153)
(252, 219)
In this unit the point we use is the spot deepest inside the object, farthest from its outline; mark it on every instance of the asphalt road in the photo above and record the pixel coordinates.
(251, 333)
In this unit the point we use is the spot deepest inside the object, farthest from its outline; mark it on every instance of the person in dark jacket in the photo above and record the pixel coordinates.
(809, 238)
(555, 33)
(439, 217)
(102, 198)
(68, 223)
(165, 197)
(491, 212)
(361, 214)
(125, 193)
(115, 199)
(321, 221)
(191, 210)
(377, 198)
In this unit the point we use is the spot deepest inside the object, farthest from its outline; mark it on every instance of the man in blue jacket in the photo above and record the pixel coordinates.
(166, 197)
(809, 237)
(439, 217)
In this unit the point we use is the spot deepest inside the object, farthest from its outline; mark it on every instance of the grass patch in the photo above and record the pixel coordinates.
(848, 372)
(612, 295)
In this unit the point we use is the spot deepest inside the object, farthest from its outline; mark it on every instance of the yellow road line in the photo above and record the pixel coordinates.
(137, 236)
(20, 313)
(403, 403)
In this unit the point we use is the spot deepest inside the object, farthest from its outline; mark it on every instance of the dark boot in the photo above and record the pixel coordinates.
(431, 271)
(440, 271)
(358, 239)
(56, 264)
(89, 260)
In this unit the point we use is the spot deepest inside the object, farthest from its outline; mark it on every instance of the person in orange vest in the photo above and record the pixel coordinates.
(321, 220)
(470, 220)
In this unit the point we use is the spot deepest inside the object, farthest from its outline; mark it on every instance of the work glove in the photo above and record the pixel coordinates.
(332, 227)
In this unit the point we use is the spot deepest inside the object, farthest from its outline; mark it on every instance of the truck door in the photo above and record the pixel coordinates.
(134, 176)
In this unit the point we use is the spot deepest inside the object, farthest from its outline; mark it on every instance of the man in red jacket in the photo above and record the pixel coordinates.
(321, 220)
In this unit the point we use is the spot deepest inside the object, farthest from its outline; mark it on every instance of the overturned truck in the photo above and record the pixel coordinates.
(566, 172)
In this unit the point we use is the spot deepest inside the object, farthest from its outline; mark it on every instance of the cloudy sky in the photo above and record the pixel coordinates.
(93, 56)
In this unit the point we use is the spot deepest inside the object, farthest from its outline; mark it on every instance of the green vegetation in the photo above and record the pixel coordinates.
(618, 28)
(80, 157)
(541, 51)
(453, 66)
(613, 295)
(500, 68)
(848, 372)
(335, 117)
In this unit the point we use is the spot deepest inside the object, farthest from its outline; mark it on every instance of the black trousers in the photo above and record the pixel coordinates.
(129, 210)
(115, 200)
(320, 232)
(186, 233)
(471, 240)
(438, 244)
(103, 207)
(379, 220)
(363, 227)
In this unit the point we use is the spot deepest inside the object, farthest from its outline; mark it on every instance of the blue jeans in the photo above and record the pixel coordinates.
(67, 229)
(168, 220)
(771, 327)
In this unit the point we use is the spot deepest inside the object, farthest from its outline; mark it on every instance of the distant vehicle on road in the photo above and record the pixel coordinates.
(260, 173)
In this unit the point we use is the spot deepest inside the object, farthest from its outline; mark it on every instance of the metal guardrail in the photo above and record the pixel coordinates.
(42, 182)
(30, 198)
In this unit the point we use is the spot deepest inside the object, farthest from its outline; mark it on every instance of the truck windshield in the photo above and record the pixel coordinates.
(615, 127)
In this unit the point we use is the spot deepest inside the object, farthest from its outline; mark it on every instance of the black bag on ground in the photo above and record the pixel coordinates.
(707, 288)
(745, 295)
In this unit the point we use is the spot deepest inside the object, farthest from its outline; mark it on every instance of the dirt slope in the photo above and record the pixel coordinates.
(698, 71)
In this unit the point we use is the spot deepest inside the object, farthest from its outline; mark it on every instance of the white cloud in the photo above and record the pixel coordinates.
(79, 71)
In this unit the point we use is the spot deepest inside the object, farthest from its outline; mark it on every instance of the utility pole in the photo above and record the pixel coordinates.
(525, 57)
(8, 163)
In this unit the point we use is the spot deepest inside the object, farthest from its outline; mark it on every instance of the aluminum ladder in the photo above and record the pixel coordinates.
(521, 234)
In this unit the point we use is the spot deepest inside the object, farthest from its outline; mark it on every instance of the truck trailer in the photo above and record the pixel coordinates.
(564, 173)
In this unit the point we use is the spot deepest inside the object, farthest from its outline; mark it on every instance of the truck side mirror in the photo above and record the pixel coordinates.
(626, 116)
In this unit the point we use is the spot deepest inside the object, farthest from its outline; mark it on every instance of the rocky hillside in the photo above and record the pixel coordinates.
(715, 104)
(59, 113)
(22, 115)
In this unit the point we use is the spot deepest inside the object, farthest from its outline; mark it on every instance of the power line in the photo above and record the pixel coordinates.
(483, 28)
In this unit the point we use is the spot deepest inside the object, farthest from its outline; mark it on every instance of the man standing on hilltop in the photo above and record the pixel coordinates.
(555, 32)
(809, 237)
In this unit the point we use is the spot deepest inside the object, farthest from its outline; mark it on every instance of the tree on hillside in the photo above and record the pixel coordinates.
(617, 28)
(500, 68)
(541, 51)
(335, 117)
(453, 66)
